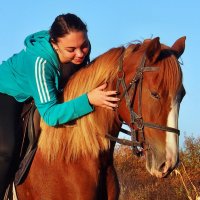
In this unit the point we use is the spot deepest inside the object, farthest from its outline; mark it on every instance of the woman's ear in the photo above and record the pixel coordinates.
(54, 44)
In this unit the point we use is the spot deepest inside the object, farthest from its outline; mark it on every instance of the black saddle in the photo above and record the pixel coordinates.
(30, 123)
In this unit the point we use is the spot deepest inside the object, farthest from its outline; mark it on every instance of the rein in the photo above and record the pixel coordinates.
(136, 124)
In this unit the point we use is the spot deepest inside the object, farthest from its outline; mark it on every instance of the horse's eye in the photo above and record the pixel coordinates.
(155, 95)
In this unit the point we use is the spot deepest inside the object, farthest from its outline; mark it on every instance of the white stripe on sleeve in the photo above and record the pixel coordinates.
(41, 80)
(44, 80)
(36, 77)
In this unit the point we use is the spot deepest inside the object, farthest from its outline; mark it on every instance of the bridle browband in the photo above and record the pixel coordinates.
(136, 124)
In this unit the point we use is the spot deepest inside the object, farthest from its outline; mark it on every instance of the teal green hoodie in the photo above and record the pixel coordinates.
(34, 73)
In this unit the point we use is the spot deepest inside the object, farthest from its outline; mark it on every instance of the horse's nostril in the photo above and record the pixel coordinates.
(166, 169)
(162, 167)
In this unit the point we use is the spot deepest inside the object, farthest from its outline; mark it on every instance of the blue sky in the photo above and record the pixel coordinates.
(114, 23)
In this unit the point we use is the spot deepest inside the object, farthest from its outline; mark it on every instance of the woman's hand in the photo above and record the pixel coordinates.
(105, 99)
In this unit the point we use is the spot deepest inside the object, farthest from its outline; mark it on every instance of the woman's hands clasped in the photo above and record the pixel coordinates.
(105, 99)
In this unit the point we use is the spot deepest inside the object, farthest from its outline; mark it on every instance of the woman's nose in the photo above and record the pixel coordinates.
(79, 53)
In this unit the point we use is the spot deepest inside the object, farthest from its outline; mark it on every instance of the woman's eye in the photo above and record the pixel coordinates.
(155, 95)
(70, 50)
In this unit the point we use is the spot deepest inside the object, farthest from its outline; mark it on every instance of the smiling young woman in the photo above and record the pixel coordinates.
(72, 47)
(36, 73)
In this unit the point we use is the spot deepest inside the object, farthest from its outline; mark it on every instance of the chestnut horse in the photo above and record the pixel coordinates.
(75, 161)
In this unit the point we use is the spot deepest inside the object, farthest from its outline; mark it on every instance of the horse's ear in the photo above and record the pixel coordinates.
(153, 50)
(179, 46)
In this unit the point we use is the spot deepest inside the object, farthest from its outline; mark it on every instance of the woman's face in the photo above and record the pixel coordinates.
(73, 47)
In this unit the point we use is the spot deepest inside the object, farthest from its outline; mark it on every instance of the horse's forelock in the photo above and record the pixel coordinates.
(172, 73)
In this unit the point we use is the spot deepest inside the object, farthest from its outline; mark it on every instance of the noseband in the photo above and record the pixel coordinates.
(136, 120)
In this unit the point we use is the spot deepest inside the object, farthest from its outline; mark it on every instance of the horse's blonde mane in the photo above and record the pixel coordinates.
(87, 136)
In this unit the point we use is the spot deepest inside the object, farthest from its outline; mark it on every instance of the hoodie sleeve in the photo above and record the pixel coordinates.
(43, 84)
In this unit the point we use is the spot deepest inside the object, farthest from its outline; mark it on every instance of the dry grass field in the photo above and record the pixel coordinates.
(137, 184)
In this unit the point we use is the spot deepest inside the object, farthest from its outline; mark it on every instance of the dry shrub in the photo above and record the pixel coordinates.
(137, 184)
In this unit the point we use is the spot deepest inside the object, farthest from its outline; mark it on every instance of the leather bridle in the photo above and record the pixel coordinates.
(136, 120)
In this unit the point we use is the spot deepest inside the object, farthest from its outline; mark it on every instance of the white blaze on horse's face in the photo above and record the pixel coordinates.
(172, 139)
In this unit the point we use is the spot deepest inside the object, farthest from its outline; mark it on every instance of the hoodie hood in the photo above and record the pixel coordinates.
(38, 44)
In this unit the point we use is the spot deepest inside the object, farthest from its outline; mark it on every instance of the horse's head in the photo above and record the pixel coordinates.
(151, 99)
